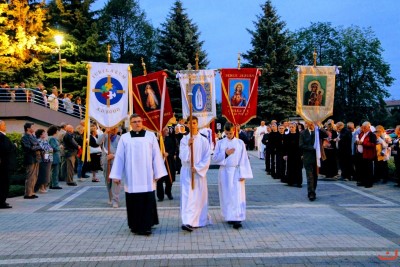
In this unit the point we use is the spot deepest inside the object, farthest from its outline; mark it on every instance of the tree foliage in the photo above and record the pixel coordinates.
(179, 42)
(364, 76)
(271, 50)
(22, 40)
(128, 32)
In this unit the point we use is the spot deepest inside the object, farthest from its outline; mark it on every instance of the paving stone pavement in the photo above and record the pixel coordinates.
(346, 226)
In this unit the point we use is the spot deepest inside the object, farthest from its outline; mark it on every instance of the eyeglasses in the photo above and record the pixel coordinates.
(136, 121)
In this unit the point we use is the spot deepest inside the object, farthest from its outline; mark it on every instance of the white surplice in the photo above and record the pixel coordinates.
(261, 130)
(138, 162)
(232, 194)
(194, 202)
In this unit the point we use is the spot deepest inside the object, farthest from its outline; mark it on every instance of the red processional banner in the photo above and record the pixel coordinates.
(151, 100)
(239, 94)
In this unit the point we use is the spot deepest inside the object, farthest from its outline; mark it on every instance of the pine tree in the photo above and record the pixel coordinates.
(272, 51)
(178, 45)
(22, 41)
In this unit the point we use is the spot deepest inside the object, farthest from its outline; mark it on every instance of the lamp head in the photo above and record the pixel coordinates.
(59, 39)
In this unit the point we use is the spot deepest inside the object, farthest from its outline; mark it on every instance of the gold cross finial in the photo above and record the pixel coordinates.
(239, 61)
(315, 57)
(109, 54)
(197, 60)
(144, 68)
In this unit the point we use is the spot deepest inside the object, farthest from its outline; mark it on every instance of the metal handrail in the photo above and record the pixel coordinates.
(36, 97)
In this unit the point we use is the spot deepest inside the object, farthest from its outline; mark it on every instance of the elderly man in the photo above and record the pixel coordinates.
(32, 158)
(366, 147)
(70, 151)
(7, 164)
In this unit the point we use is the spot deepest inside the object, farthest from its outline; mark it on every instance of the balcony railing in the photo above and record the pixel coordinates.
(37, 97)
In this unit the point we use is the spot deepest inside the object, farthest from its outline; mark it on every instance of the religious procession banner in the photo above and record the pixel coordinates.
(107, 92)
(201, 84)
(239, 94)
(315, 92)
(151, 100)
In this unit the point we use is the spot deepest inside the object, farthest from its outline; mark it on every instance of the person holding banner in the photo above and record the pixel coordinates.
(194, 199)
(169, 154)
(230, 153)
(107, 159)
(139, 163)
(309, 150)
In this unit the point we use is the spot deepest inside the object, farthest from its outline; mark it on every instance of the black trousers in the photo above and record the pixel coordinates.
(4, 185)
(160, 187)
(142, 211)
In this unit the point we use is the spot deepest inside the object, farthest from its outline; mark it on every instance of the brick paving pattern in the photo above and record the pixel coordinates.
(346, 226)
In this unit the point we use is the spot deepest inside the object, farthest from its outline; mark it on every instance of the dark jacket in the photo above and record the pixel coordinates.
(70, 145)
(8, 153)
(306, 144)
(344, 144)
(31, 148)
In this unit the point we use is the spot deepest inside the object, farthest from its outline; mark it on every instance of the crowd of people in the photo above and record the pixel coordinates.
(56, 101)
(347, 152)
(134, 159)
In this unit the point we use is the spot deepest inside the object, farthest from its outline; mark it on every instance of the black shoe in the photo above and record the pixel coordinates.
(170, 197)
(30, 197)
(397, 185)
(360, 184)
(368, 186)
(145, 233)
(55, 187)
(160, 200)
(268, 173)
(72, 184)
(299, 186)
(85, 176)
(5, 206)
(187, 227)
(237, 225)
(312, 198)
(231, 222)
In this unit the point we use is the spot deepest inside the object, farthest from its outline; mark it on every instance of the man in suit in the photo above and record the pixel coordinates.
(306, 144)
(7, 164)
(70, 149)
(32, 157)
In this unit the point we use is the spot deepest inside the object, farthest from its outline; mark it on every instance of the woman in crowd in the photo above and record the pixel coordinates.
(329, 166)
(293, 156)
(45, 165)
(52, 132)
(95, 153)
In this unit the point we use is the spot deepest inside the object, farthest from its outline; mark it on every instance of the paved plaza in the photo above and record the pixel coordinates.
(346, 226)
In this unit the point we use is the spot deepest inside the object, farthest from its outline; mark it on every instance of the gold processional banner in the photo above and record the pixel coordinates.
(315, 92)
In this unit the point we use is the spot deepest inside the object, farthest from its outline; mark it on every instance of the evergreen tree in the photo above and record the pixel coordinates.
(178, 45)
(22, 41)
(131, 36)
(364, 76)
(271, 50)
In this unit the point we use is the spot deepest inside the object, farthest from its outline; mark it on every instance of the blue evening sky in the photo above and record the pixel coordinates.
(223, 23)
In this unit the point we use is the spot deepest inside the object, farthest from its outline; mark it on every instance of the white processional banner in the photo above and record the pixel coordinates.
(108, 95)
(202, 86)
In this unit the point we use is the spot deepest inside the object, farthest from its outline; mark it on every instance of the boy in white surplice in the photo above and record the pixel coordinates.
(230, 153)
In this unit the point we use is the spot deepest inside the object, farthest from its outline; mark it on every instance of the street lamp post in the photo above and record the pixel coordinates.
(59, 39)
